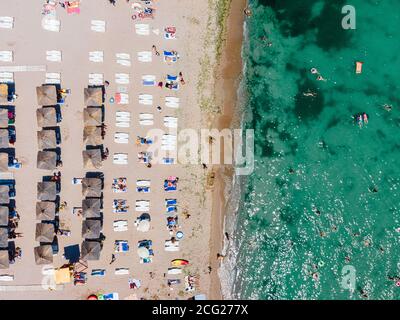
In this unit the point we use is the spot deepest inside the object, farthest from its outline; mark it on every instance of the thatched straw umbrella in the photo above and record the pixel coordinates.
(46, 117)
(91, 229)
(90, 250)
(45, 210)
(92, 159)
(4, 194)
(47, 139)
(47, 95)
(3, 162)
(4, 138)
(46, 191)
(43, 254)
(45, 232)
(92, 136)
(92, 116)
(93, 97)
(4, 259)
(91, 208)
(47, 160)
(91, 187)
(4, 213)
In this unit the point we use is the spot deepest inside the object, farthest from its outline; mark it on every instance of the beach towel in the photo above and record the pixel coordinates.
(120, 226)
(122, 78)
(53, 78)
(121, 138)
(96, 79)
(50, 23)
(145, 56)
(142, 29)
(120, 158)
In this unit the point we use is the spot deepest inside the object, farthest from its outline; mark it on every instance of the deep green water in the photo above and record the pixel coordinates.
(280, 238)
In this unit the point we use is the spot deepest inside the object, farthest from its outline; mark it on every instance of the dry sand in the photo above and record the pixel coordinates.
(29, 43)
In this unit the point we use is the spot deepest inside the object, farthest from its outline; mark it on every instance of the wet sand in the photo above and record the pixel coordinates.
(229, 76)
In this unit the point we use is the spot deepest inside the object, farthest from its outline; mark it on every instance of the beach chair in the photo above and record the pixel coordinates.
(149, 80)
(120, 226)
(6, 77)
(53, 56)
(53, 78)
(171, 122)
(96, 79)
(121, 246)
(168, 161)
(170, 33)
(142, 29)
(121, 271)
(50, 23)
(121, 138)
(145, 56)
(146, 99)
(6, 277)
(120, 158)
(96, 56)
(122, 98)
(6, 56)
(172, 102)
(124, 59)
(171, 246)
(6, 22)
(98, 273)
(174, 271)
(122, 78)
(98, 26)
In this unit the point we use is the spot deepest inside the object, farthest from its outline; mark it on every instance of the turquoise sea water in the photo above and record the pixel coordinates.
(308, 211)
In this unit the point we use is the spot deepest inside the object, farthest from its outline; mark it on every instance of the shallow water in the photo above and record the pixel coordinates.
(308, 208)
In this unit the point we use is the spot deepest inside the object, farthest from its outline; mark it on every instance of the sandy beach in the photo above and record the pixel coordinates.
(203, 230)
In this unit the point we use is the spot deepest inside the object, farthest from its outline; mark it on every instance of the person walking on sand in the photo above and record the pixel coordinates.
(112, 2)
(113, 258)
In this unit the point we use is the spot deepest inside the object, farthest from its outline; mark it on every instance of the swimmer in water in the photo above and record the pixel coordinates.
(365, 118)
(309, 94)
(314, 71)
(387, 107)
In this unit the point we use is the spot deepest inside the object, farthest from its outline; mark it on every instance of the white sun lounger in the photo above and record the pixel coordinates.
(120, 226)
(6, 22)
(6, 277)
(124, 98)
(98, 26)
(6, 77)
(53, 55)
(121, 124)
(143, 183)
(171, 247)
(146, 122)
(171, 122)
(145, 56)
(146, 116)
(6, 56)
(53, 78)
(122, 78)
(172, 102)
(96, 56)
(121, 138)
(149, 80)
(123, 56)
(142, 29)
(51, 24)
(120, 158)
(121, 271)
(96, 79)
(146, 99)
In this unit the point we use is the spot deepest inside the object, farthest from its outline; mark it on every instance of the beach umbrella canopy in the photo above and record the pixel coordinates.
(92, 136)
(91, 208)
(45, 232)
(143, 252)
(93, 97)
(4, 194)
(91, 187)
(4, 212)
(92, 116)
(4, 259)
(46, 95)
(43, 254)
(3, 238)
(45, 210)
(143, 226)
(46, 117)
(91, 229)
(47, 160)
(4, 138)
(92, 159)
(46, 191)
(3, 162)
(3, 92)
(90, 250)
(3, 117)
(47, 139)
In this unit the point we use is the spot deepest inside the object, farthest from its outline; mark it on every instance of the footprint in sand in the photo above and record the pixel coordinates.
(65, 134)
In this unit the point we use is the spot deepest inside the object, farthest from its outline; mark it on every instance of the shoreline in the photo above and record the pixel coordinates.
(228, 73)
